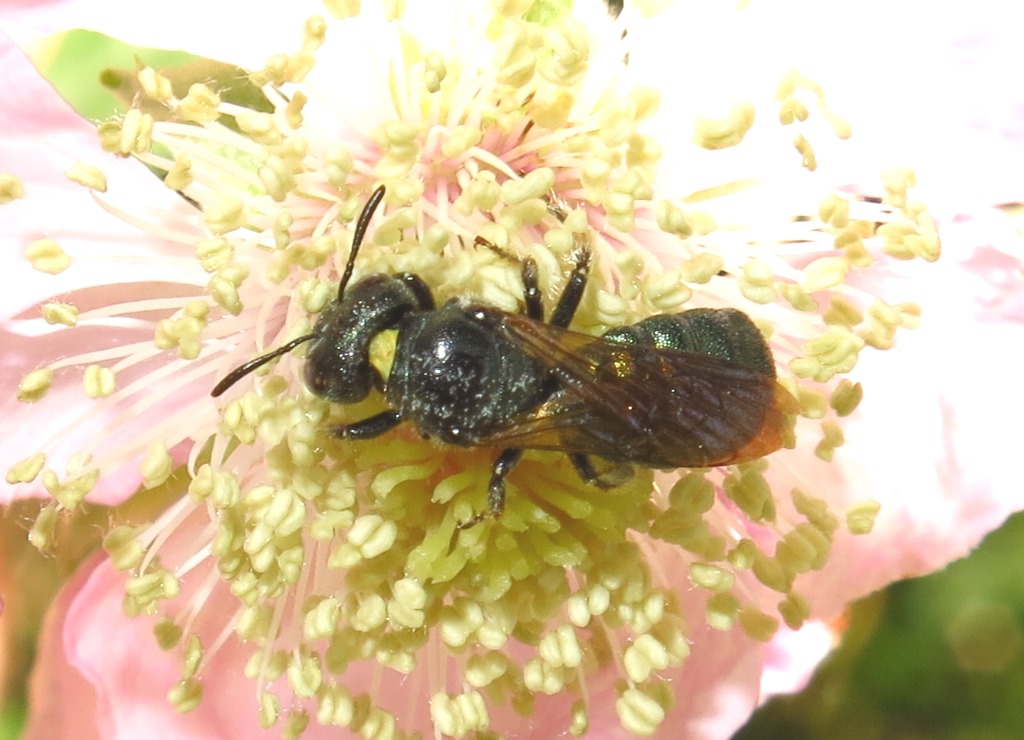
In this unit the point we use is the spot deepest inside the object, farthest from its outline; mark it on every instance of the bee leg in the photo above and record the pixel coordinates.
(503, 253)
(368, 428)
(584, 467)
(531, 290)
(424, 298)
(572, 293)
(615, 476)
(496, 490)
(378, 380)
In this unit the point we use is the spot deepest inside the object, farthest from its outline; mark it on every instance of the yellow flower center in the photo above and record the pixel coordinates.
(343, 553)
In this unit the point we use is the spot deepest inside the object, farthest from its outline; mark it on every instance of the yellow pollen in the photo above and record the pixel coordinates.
(824, 273)
(758, 625)
(711, 577)
(860, 517)
(720, 133)
(40, 536)
(146, 590)
(749, 490)
(807, 158)
(666, 293)
(135, 134)
(157, 466)
(314, 33)
(11, 188)
(179, 176)
(741, 557)
(125, 550)
(60, 313)
(25, 471)
(334, 706)
(47, 256)
(69, 493)
(797, 297)
(87, 175)
(270, 710)
(757, 282)
(794, 610)
(186, 695)
(305, 675)
(639, 712)
(342, 9)
(835, 210)
(99, 382)
(834, 352)
(167, 633)
(225, 215)
(671, 219)
(459, 715)
(155, 85)
(561, 648)
(645, 656)
(35, 385)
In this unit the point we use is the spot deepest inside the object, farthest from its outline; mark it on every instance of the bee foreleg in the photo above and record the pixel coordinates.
(572, 293)
(531, 290)
(424, 298)
(368, 428)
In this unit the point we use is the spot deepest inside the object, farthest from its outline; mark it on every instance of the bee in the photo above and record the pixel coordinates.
(694, 389)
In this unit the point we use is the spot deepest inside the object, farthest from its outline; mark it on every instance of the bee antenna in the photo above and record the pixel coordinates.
(357, 240)
(357, 237)
(242, 370)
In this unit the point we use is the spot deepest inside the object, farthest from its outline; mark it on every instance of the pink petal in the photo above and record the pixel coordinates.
(940, 95)
(114, 688)
(717, 687)
(929, 441)
(792, 657)
(113, 261)
(40, 138)
(63, 703)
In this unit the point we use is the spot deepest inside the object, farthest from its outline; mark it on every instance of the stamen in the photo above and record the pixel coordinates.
(639, 712)
(11, 188)
(860, 518)
(87, 175)
(60, 313)
(25, 471)
(155, 85)
(35, 385)
(98, 381)
(47, 256)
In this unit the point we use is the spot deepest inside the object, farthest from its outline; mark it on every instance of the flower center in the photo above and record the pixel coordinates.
(329, 558)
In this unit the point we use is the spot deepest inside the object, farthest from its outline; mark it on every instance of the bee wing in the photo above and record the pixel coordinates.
(635, 403)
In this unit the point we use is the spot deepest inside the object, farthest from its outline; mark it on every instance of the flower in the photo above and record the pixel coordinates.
(320, 582)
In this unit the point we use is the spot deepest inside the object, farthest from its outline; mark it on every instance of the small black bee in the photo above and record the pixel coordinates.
(695, 389)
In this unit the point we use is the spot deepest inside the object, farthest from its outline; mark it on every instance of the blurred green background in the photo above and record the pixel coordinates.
(930, 658)
(936, 657)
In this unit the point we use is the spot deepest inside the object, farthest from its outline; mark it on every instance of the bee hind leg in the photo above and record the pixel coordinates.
(615, 475)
